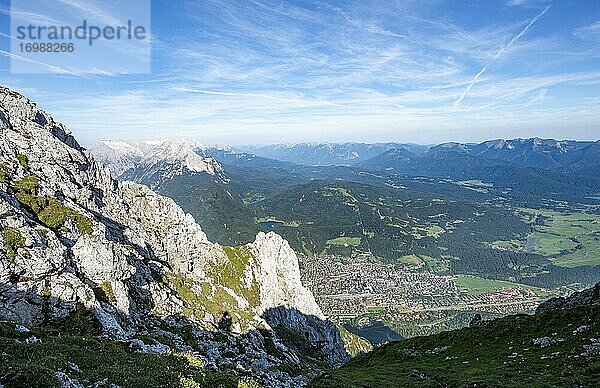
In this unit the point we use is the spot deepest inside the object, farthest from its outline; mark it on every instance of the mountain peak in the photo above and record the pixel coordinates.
(174, 155)
(182, 153)
(280, 275)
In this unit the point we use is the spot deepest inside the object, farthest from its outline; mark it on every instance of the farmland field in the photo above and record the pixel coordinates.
(476, 286)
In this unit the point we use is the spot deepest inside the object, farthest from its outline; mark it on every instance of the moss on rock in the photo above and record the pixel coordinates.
(217, 298)
(353, 343)
(202, 298)
(231, 274)
(27, 184)
(13, 240)
(23, 160)
(108, 291)
(5, 173)
(50, 211)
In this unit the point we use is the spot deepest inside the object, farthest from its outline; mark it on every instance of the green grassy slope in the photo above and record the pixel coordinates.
(499, 353)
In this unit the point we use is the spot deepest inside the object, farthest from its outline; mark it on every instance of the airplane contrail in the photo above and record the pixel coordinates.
(498, 54)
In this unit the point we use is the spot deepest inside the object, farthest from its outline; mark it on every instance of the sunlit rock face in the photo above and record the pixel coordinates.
(169, 156)
(73, 236)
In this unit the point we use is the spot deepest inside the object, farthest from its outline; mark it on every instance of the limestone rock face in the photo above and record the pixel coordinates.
(149, 157)
(73, 236)
(126, 224)
(285, 301)
(278, 275)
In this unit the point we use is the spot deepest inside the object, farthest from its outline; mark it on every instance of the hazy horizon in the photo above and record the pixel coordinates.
(240, 145)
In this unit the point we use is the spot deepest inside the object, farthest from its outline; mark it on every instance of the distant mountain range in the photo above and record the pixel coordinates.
(229, 179)
(549, 154)
(328, 154)
(568, 155)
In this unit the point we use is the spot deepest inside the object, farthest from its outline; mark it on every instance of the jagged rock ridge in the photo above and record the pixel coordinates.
(150, 156)
(73, 236)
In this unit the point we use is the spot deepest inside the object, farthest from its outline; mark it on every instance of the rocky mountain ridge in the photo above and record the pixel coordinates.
(73, 236)
(152, 155)
(327, 154)
(587, 297)
(527, 153)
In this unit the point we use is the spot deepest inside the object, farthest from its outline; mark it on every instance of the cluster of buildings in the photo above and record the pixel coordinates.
(353, 288)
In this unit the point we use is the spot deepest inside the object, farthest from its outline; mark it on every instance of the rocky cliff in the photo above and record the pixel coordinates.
(587, 297)
(74, 237)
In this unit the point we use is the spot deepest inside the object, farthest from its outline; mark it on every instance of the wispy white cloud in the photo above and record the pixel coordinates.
(366, 25)
(528, 3)
(590, 31)
(540, 96)
(17, 14)
(92, 10)
(257, 95)
(231, 117)
(270, 71)
(52, 68)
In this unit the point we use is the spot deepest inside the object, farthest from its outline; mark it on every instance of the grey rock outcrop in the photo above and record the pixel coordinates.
(278, 275)
(73, 236)
(477, 320)
(65, 381)
(589, 296)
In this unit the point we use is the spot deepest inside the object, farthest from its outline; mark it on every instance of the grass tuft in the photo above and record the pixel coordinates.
(23, 160)
(13, 240)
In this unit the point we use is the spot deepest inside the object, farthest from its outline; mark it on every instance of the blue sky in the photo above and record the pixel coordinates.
(291, 71)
